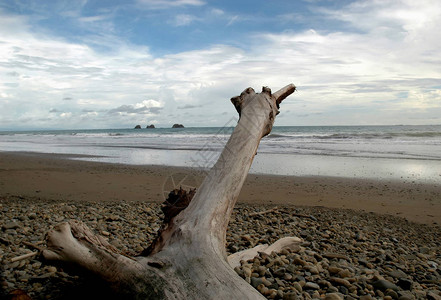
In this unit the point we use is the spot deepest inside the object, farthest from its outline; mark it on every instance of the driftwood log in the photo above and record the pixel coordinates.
(188, 260)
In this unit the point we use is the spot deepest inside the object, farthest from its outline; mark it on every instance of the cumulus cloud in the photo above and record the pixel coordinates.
(355, 77)
(146, 107)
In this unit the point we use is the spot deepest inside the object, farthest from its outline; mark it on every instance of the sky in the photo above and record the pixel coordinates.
(90, 64)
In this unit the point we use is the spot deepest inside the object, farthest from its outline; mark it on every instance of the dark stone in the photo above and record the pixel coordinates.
(432, 296)
(280, 272)
(397, 274)
(405, 284)
(150, 126)
(255, 282)
(384, 285)
(138, 127)
(402, 295)
(343, 290)
(178, 126)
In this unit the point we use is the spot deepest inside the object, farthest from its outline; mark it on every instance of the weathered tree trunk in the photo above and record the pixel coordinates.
(188, 260)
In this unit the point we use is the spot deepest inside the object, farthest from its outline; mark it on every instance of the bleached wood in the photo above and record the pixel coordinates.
(261, 213)
(24, 256)
(190, 262)
(281, 244)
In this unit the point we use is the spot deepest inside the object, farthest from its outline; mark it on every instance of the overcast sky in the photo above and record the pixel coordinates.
(114, 64)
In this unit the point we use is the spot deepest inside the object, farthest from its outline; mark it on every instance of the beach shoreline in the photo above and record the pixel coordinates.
(66, 179)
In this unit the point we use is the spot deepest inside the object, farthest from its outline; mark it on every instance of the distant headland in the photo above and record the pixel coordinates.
(151, 126)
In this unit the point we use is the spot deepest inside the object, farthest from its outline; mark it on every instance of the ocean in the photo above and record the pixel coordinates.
(405, 153)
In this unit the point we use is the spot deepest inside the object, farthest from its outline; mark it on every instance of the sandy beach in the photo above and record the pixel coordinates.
(57, 177)
(347, 252)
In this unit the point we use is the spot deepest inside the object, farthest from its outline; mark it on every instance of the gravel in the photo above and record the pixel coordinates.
(344, 255)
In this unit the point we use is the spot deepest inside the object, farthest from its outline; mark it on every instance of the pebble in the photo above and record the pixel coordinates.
(334, 296)
(384, 285)
(11, 225)
(311, 286)
(385, 259)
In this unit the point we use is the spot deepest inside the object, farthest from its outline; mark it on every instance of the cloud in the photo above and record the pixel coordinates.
(164, 4)
(233, 20)
(188, 106)
(93, 19)
(183, 20)
(365, 75)
(146, 107)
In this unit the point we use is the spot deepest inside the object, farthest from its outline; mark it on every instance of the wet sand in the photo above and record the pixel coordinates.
(57, 177)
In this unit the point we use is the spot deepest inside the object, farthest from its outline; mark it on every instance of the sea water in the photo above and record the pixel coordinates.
(407, 153)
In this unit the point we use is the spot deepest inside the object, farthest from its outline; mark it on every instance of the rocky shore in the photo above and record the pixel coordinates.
(344, 255)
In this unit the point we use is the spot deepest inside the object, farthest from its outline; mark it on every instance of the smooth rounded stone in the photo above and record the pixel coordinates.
(291, 269)
(315, 295)
(11, 225)
(344, 290)
(340, 281)
(298, 287)
(405, 284)
(333, 296)
(271, 294)
(32, 216)
(432, 264)
(313, 270)
(397, 274)
(105, 233)
(255, 282)
(11, 231)
(424, 250)
(344, 273)
(298, 261)
(246, 271)
(66, 208)
(391, 293)
(280, 283)
(384, 285)
(59, 219)
(279, 272)
(290, 296)
(287, 277)
(311, 286)
(262, 289)
(36, 265)
(366, 263)
(334, 270)
(366, 297)
(431, 295)
(404, 295)
(268, 281)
